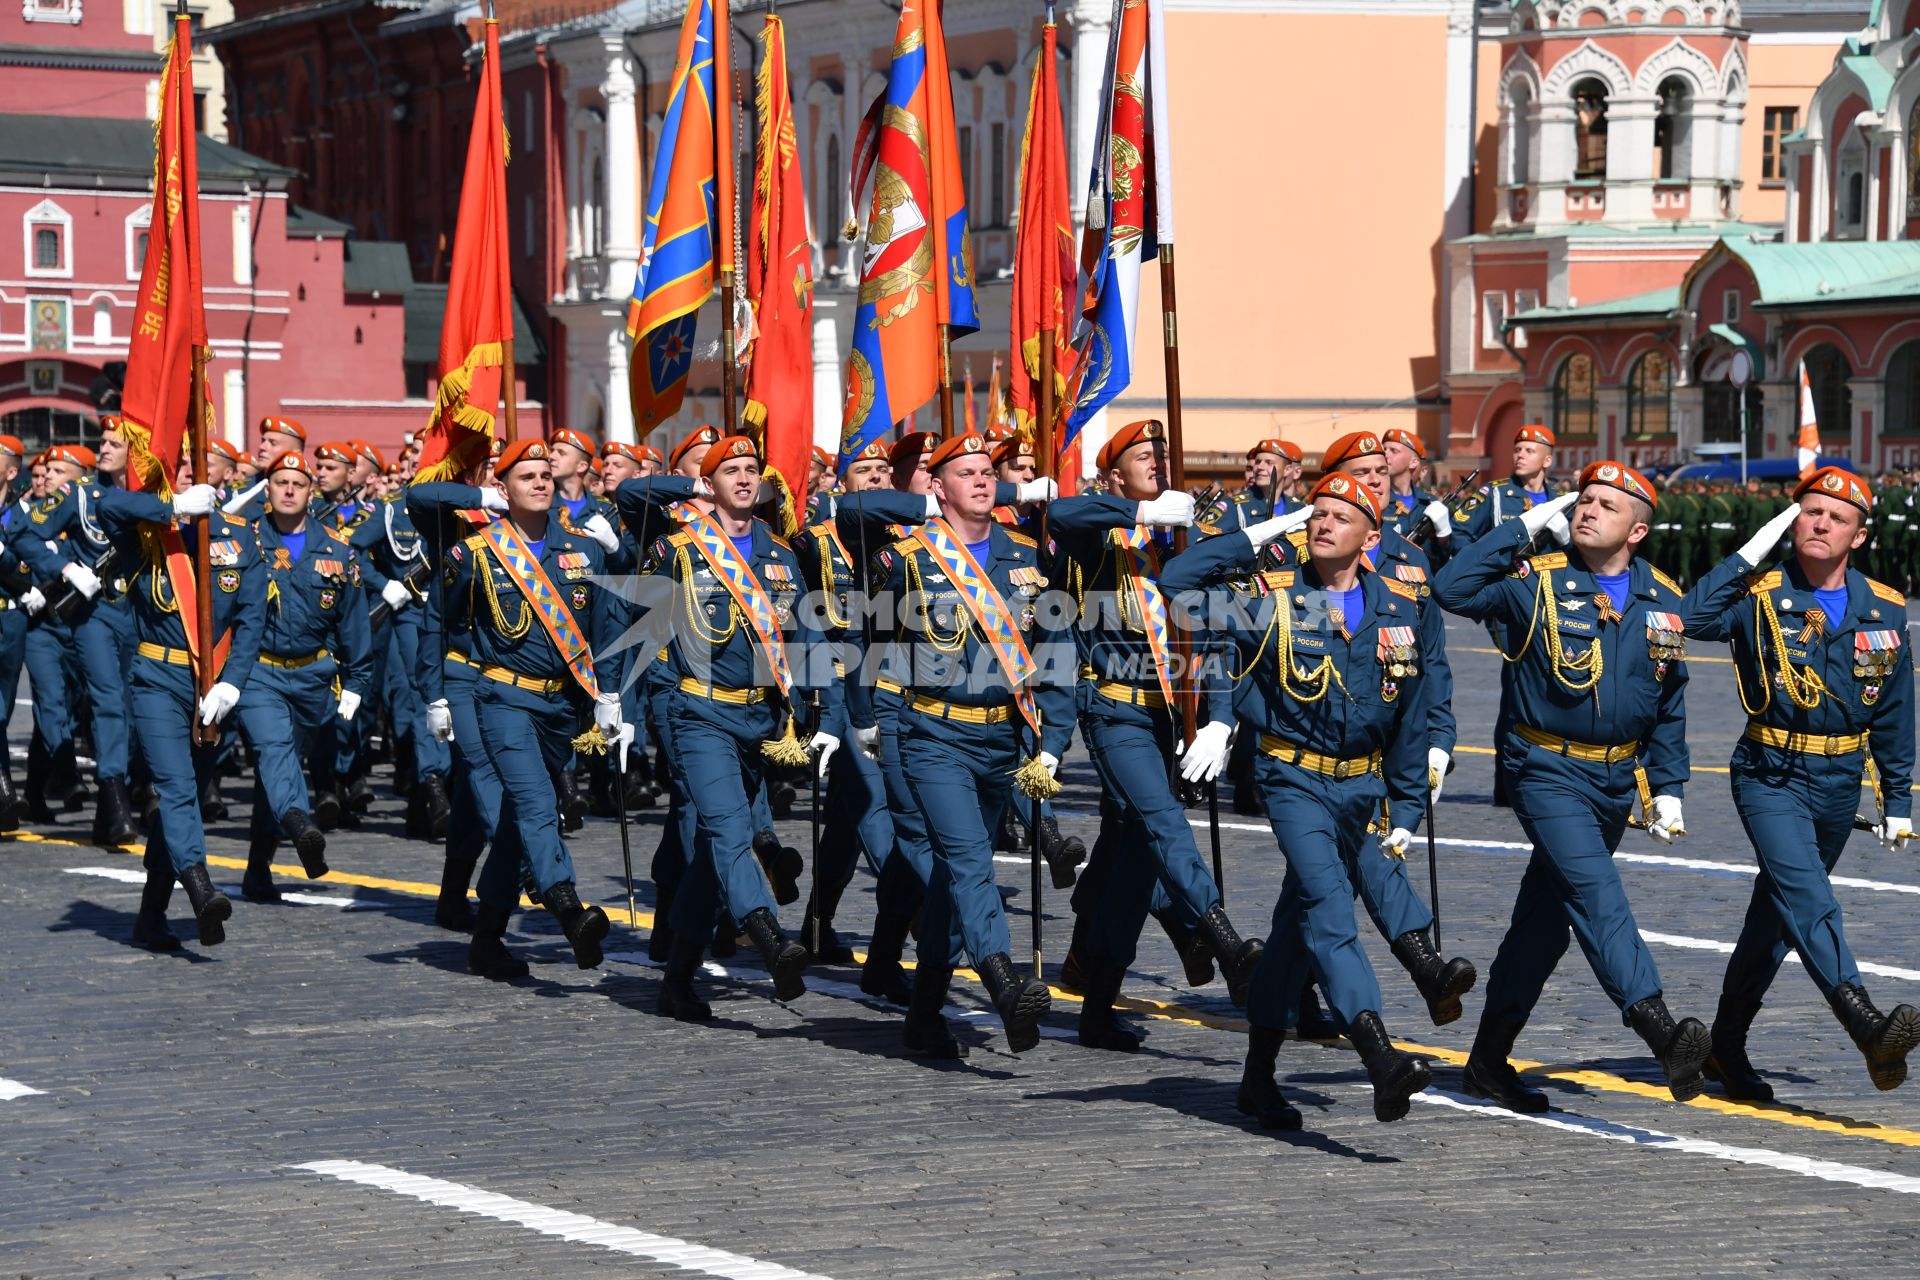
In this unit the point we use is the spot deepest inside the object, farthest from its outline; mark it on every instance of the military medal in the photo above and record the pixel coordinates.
(1666, 641)
(1875, 655)
(1395, 655)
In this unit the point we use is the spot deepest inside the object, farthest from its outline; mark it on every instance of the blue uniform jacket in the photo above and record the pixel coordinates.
(389, 546)
(316, 602)
(434, 511)
(1864, 659)
(575, 512)
(1641, 693)
(70, 520)
(831, 578)
(1495, 504)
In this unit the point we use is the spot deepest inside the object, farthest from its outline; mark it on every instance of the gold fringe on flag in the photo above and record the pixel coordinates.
(451, 410)
(1035, 782)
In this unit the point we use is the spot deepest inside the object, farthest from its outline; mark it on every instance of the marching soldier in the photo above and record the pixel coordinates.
(273, 437)
(1110, 548)
(1406, 456)
(1333, 689)
(1273, 466)
(523, 583)
(315, 666)
(1824, 666)
(1597, 648)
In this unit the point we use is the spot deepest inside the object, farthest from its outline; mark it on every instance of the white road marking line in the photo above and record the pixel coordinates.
(1793, 957)
(129, 875)
(1654, 1140)
(558, 1223)
(11, 1089)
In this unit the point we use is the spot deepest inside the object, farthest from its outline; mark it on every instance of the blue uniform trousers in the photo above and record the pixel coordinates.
(1389, 896)
(910, 840)
(285, 714)
(1798, 812)
(1321, 824)
(403, 694)
(164, 713)
(529, 738)
(475, 787)
(961, 779)
(13, 655)
(716, 749)
(1145, 839)
(676, 845)
(1574, 813)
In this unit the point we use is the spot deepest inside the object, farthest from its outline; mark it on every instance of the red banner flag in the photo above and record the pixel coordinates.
(478, 323)
(1044, 265)
(780, 285)
(172, 318)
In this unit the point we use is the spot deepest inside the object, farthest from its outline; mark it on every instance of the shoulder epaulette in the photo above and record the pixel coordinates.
(818, 528)
(680, 538)
(1549, 560)
(337, 535)
(1665, 581)
(1400, 588)
(1763, 581)
(1278, 579)
(1886, 592)
(1022, 539)
(1297, 538)
(476, 543)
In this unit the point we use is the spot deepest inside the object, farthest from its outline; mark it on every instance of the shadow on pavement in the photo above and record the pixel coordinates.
(1212, 1100)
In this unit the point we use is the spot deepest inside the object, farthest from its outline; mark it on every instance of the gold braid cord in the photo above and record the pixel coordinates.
(1568, 671)
(1803, 686)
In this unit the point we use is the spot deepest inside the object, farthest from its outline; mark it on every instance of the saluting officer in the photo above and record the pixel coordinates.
(1596, 645)
(161, 556)
(1333, 689)
(524, 584)
(1824, 666)
(1406, 454)
(315, 666)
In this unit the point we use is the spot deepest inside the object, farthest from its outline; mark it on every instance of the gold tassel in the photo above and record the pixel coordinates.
(591, 743)
(786, 749)
(1035, 782)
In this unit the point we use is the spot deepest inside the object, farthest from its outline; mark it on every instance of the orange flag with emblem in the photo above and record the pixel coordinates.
(1044, 265)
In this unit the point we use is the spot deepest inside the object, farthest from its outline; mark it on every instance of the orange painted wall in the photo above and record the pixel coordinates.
(1784, 75)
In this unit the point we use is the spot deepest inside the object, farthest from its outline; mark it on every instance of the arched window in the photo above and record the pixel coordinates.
(1574, 409)
(103, 322)
(1590, 130)
(1903, 392)
(1672, 127)
(1828, 371)
(1519, 135)
(1650, 398)
(1850, 211)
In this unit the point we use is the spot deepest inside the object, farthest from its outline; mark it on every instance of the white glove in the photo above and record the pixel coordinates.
(1202, 761)
(84, 580)
(596, 527)
(622, 742)
(349, 704)
(702, 487)
(1768, 536)
(440, 721)
(238, 501)
(219, 700)
(33, 602)
(1041, 490)
(868, 741)
(1278, 527)
(1666, 823)
(396, 595)
(1559, 530)
(1051, 763)
(1396, 843)
(195, 500)
(1541, 516)
(933, 506)
(606, 715)
(1171, 510)
(1440, 518)
(824, 744)
(1894, 833)
(491, 499)
(1438, 762)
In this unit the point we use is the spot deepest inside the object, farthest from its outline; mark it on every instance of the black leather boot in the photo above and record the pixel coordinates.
(487, 954)
(1073, 974)
(12, 807)
(1441, 982)
(678, 998)
(439, 805)
(1260, 1095)
(785, 959)
(66, 781)
(573, 805)
(639, 792)
(782, 865)
(660, 941)
(821, 942)
(1020, 1002)
(359, 797)
(1396, 1076)
(1682, 1048)
(39, 766)
(1884, 1039)
(211, 908)
(1238, 957)
(113, 822)
(726, 937)
(257, 884)
(882, 974)
(780, 798)
(308, 842)
(1100, 1026)
(451, 911)
(585, 926)
(1315, 1022)
(1196, 953)
(926, 1034)
(1063, 854)
(1489, 1075)
(326, 807)
(212, 807)
(1729, 1064)
(150, 928)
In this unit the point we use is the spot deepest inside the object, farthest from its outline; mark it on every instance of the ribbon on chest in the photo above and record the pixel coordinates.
(556, 619)
(988, 610)
(720, 555)
(1143, 567)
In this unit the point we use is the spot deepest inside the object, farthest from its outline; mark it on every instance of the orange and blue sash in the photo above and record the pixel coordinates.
(1144, 561)
(989, 611)
(525, 573)
(717, 549)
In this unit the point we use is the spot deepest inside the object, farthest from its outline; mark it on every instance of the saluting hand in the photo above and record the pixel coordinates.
(1544, 515)
(1767, 537)
(1171, 510)
(596, 527)
(195, 500)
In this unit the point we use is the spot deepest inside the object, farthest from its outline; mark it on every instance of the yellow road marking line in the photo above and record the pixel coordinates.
(1603, 1081)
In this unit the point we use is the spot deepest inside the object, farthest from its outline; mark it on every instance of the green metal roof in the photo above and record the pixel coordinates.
(1877, 80)
(1656, 303)
(427, 307)
(377, 266)
(1826, 271)
(118, 154)
(304, 222)
(1674, 230)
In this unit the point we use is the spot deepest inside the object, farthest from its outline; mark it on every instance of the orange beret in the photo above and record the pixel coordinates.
(647, 453)
(617, 449)
(531, 449)
(876, 451)
(1127, 437)
(1405, 439)
(110, 424)
(77, 454)
(1012, 450)
(1534, 433)
(290, 461)
(371, 454)
(1622, 477)
(1347, 489)
(1355, 444)
(13, 446)
(910, 447)
(568, 436)
(333, 451)
(695, 438)
(953, 448)
(1837, 482)
(214, 446)
(727, 449)
(1272, 444)
(999, 431)
(593, 465)
(822, 457)
(286, 427)
(494, 448)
